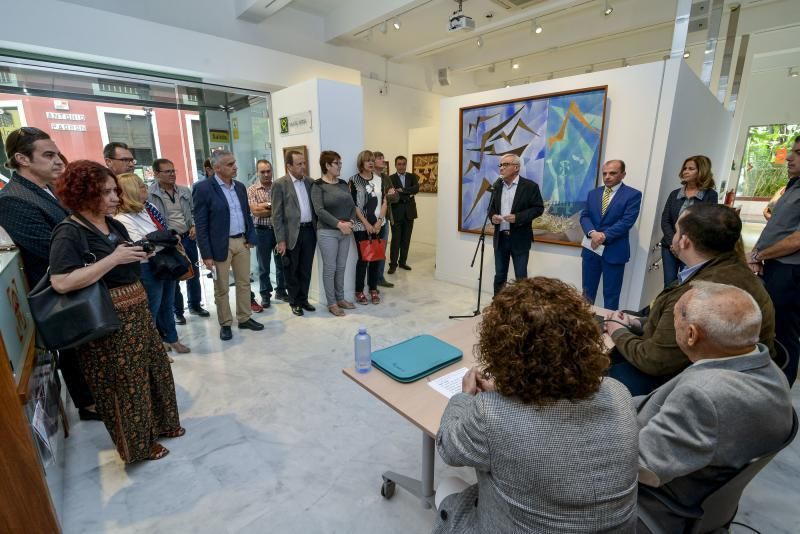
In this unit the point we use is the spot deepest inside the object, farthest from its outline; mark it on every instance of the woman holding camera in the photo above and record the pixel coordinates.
(127, 370)
(141, 218)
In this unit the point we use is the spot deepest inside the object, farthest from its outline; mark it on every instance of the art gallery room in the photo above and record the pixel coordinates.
(284, 433)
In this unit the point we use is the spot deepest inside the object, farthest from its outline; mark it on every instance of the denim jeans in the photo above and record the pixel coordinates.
(192, 284)
(382, 264)
(670, 264)
(160, 300)
(265, 244)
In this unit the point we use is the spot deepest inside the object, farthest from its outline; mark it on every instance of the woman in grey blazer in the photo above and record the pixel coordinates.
(553, 442)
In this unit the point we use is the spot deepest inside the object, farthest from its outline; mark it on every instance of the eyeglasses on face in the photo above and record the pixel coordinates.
(337, 163)
(506, 164)
(168, 171)
(126, 160)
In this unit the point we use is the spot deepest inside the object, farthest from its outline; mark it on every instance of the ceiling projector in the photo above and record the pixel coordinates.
(459, 21)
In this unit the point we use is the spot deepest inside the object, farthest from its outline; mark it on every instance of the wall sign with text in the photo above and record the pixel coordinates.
(299, 123)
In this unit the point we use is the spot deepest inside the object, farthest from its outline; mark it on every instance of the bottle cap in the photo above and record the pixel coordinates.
(362, 329)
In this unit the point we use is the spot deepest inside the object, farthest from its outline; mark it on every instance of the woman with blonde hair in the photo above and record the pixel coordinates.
(370, 217)
(141, 218)
(697, 185)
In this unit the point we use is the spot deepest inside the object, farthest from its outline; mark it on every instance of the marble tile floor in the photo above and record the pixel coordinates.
(278, 440)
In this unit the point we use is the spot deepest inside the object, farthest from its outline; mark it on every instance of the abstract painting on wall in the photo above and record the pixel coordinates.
(426, 166)
(558, 138)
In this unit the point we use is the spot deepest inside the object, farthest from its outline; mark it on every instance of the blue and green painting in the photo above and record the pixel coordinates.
(558, 139)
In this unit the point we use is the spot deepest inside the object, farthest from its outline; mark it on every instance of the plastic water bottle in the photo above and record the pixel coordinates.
(363, 345)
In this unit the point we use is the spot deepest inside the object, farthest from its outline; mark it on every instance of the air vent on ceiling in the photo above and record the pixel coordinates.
(517, 4)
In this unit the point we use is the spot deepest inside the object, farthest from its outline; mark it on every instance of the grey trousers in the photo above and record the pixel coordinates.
(334, 247)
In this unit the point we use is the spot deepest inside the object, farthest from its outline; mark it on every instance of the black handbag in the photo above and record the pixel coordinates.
(169, 264)
(64, 321)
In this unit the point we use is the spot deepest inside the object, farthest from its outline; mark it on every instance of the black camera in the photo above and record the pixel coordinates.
(146, 245)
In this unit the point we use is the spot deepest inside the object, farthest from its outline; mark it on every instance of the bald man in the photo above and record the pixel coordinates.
(729, 406)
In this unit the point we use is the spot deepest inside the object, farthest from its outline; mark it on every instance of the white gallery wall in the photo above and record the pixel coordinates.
(695, 123)
(638, 115)
(424, 141)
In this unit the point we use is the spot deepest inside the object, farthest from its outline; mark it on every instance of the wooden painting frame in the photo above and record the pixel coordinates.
(425, 165)
(303, 149)
(561, 226)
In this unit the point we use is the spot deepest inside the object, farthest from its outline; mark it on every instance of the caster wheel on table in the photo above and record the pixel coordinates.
(387, 489)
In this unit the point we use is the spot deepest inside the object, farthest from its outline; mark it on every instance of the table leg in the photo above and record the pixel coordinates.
(422, 489)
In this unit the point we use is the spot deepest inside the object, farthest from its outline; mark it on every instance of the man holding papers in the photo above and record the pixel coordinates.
(610, 212)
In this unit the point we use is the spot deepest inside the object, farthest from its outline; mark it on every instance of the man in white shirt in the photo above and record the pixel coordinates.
(294, 222)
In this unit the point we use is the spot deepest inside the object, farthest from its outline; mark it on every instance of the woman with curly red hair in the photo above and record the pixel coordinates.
(127, 370)
(554, 444)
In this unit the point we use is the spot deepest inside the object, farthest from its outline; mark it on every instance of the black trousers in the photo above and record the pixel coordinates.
(401, 239)
(70, 365)
(297, 266)
(783, 285)
(369, 268)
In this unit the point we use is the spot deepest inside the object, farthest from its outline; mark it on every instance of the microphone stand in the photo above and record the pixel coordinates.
(480, 245)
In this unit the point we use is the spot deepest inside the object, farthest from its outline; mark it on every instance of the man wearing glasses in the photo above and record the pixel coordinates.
(175, 203)
(516, 202)
(118, 158)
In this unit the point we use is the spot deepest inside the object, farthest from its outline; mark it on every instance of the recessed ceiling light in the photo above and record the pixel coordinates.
(793, 72)
(608, 9)
(537, 29)
(686, 54)
(514, 64)
(396, 24)
(480, 41)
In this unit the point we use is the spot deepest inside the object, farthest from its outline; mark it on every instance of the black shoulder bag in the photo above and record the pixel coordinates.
(64, 321)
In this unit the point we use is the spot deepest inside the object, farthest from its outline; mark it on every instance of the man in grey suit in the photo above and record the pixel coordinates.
(293, 220)
(730, 406)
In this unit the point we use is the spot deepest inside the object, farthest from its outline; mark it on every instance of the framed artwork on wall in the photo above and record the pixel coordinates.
(426, 166)
(559, 139)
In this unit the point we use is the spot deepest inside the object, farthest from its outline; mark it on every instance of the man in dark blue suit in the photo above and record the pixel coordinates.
(610, 212)
(225, 235)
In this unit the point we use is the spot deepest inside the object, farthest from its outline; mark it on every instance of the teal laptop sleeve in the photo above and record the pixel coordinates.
(415, 358)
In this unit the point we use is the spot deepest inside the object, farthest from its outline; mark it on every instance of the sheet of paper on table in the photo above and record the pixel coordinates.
(587, 244)
(449, 384)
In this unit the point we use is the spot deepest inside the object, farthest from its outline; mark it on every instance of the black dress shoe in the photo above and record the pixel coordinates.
(88, 415)
(392, 269)
(251, 325)
(282, 295)
(404, 266)
(265, 303)
(225, 333)
(199, 311)
(384, 283)
(308, 307)
(180, 319)
(297, 310)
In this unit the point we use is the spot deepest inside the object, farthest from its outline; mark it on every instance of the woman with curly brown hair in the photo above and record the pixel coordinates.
(127, 370)
(554, 444)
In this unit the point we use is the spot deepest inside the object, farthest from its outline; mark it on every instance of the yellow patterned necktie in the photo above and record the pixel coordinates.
(606, 200)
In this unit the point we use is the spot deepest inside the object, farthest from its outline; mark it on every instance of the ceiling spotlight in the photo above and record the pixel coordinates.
(589, 69)
(491, 67)
(480, 41)
(608, 9)
(514, 64)
(396, 24)
(384, 26)
(793, 72)
(537, 29)
(625, 63)
(550, 76)
(686, 54)
(507, 85)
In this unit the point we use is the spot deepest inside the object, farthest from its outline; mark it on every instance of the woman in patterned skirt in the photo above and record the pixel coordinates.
(127, 370)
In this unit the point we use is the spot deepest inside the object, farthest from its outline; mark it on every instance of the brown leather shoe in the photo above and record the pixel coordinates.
(361, 298)
(375, 296)
(336, 310)
(180, 348)
(346, 305)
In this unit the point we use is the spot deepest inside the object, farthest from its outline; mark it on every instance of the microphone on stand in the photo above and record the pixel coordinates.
(495, 185)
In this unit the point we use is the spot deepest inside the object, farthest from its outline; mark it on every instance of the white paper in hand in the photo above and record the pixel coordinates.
(449, 384)
(587, 244)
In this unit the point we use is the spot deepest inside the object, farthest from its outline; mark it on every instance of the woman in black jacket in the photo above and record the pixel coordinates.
(697, 185)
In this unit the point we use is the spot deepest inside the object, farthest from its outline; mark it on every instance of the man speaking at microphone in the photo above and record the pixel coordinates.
(516, 202)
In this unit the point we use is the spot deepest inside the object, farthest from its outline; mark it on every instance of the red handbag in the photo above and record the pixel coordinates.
(372, 249)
